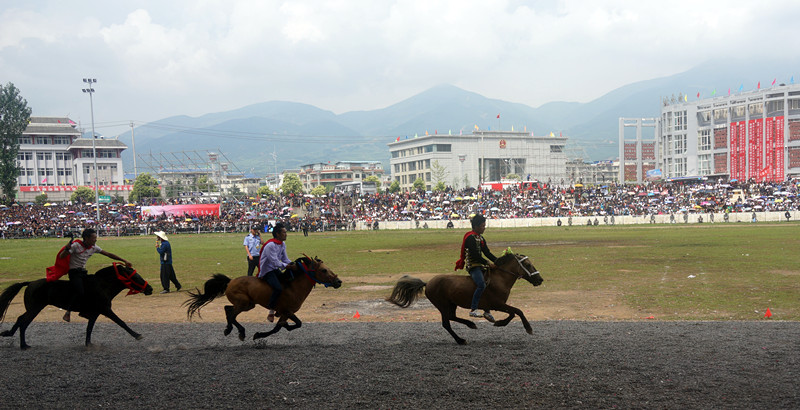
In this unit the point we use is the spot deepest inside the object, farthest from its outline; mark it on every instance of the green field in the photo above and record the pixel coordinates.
(688, 272)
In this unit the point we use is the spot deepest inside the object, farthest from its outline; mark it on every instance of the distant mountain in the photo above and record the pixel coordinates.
(300, 133)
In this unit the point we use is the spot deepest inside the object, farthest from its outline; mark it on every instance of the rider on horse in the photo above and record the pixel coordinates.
(78, 253)
(273, 259)
(472, 246)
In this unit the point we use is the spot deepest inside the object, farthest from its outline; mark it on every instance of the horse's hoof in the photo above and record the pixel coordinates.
(241, 336)
(138, 336)
(530, 331)
(461, 341)
(227, 331)
(24, 347)
(6, 333)
(257, 336)
(472, 325)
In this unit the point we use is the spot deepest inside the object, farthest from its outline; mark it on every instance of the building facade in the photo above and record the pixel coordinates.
(54, 159)
(471, 159)
(753, 135)
(330, 175)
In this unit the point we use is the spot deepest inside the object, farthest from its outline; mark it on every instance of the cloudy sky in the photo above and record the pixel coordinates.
(155, 59)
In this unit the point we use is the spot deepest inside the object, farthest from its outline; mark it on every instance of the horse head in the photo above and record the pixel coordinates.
(321, 273)
(521, 266)
(132, 280)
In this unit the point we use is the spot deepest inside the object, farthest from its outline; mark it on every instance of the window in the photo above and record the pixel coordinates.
(794, 104)
(756, 109)
(721, 115)
(443, 147)
(44, 156)
(704, 140)
(737, 111)
(25, 156)
(62, 140)
(704, 164)
(556, 148)
(680, 120)
(25, 139)
(63, 156)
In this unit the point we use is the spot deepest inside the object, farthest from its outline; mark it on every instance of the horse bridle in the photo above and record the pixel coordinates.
(313, 278)
(133, 287)
(519, 261)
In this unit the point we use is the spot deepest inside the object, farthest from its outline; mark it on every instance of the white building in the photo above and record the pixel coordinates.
(54, 159)
(468, 160)
(330, 175)
(750, 135)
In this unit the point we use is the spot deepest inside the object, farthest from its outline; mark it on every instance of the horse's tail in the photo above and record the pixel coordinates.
(8, 295)
(214, 288)
(406, 291)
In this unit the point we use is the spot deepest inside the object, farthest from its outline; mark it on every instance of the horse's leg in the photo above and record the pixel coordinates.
(113, 316)
(89, 328)
(449, 313)
(24, 320)
(511, 310)
(297, 322)
(231, 311)
(278, 326)
(10, 332)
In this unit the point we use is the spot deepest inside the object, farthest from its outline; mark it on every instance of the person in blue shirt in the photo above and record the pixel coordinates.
(164, 250)
(252, 245)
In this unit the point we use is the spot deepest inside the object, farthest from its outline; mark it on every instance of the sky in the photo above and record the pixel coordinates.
(156, 59)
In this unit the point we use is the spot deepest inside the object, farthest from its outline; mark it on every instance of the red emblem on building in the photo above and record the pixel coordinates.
(502, 143)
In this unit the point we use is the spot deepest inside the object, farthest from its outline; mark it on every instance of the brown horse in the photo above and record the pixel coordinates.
(447, 292)
(245, 292)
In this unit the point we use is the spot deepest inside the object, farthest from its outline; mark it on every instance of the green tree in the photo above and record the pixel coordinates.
(394, 187)
(439, 172)
(440, 186)
(14, 117)
(513, 176)
(145, 187)
(319, 190)
(83, 194)
(40, 199)
(264, 191)
(375, 179)
(291, 184)
(419, 184)
(235, 191)
(203, 184)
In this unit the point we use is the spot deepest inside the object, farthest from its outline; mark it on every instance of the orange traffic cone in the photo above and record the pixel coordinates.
(768, 313)
(357, 315)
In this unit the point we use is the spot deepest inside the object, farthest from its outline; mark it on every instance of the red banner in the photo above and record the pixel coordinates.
(181, 210)
(742, 154)
(778, 155)
(734, 151)
(769, 152)
(70, 188)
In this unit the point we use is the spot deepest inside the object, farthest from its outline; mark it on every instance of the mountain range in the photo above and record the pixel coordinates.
(295, 133)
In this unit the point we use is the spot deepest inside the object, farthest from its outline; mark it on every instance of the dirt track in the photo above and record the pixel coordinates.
(564, 364)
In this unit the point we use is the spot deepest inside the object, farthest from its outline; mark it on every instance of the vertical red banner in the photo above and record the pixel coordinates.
(733, 151)
(769, 148)
(742, 125)
(779, 155)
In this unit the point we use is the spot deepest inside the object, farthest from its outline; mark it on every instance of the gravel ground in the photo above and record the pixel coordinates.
(565, 364)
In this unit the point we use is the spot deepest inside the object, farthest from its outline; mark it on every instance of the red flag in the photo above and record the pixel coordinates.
(759, 85)
(698, 94)
(768, 313)
(398, 138)
(498, 115)
(773, 81)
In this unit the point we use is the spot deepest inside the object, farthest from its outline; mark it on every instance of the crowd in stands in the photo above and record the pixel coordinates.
(338, 211)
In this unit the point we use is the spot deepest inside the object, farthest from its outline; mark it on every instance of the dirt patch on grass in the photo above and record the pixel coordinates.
(378, 250)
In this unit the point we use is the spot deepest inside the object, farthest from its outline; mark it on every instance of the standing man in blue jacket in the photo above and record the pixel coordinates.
(165, 255)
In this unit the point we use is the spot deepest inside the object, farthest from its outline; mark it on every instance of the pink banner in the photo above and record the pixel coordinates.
(70, 188)
(769, 152)
(734, 151)
(778, 155)
(181, 210)
(742, 125)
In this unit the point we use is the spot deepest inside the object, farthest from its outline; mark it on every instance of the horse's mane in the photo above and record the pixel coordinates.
(504, 259)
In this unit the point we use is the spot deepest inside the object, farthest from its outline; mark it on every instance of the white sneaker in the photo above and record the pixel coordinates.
(475, 313)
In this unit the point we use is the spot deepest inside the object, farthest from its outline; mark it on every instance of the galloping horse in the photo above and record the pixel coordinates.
(245, 292)
(100, 288)
(447, 292)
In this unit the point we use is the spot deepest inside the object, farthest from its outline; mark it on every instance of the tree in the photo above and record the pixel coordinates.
(419, 184)
(291, 184)
(513, 176)
(40, 199)
(14, 117)
(264, 191)
(203, 184)
(440, 186)
(319, 190)
(375, 179)
(145, 187)
(394, 187)
(439, 172)
(83, 194)
(235, 191)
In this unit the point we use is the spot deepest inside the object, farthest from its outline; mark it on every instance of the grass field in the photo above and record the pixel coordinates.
(686, 272)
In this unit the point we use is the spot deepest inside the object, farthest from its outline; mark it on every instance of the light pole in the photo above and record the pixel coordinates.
(90, 90)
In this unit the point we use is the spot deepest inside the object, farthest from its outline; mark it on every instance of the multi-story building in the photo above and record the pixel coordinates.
(330, 175)
(471, 159)
(750, 135)
(54, 159)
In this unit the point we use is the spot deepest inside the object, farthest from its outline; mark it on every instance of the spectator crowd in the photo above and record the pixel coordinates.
(337, 211)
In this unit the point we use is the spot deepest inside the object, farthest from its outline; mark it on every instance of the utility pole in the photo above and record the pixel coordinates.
(133, 141)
